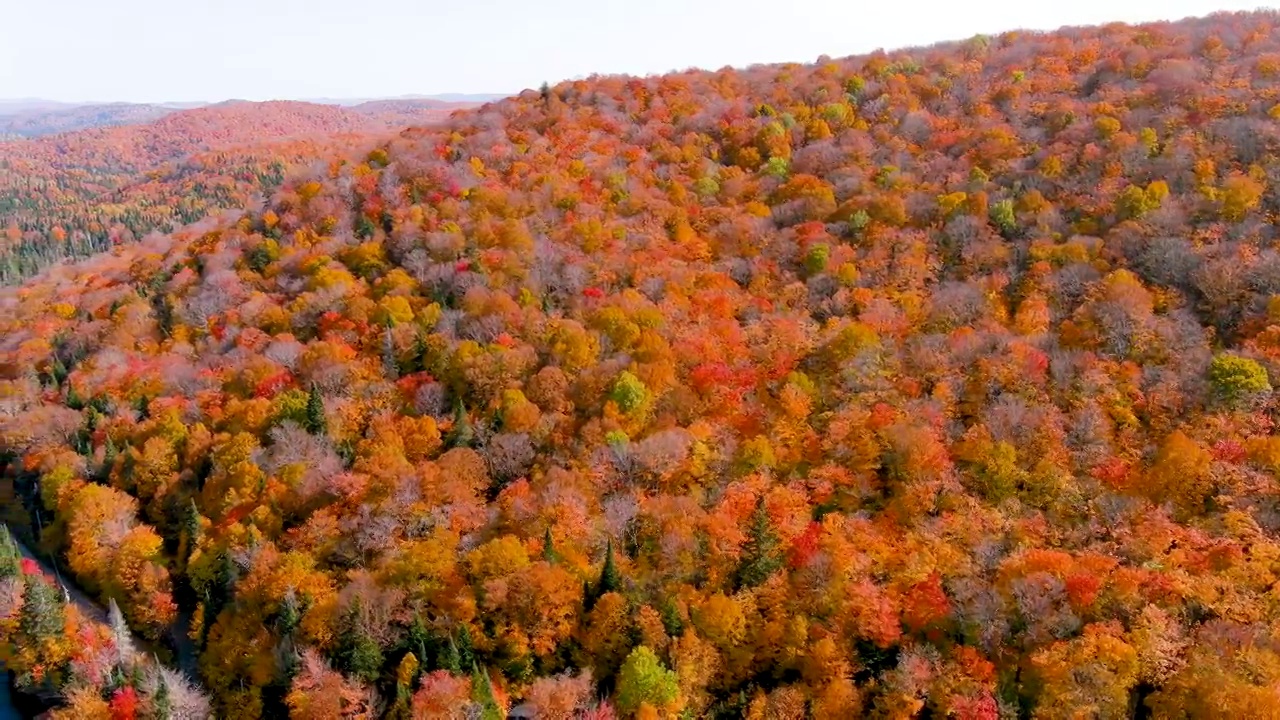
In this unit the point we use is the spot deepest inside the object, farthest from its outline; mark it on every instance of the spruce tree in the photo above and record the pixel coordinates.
(43, 615)
(161, 702)
(548, 547)
(74, 401)
(762, 552)
(452, 659)
(191, 531)
(466, 650)
(358, 653)
(389, 364)
(314, 421)
(419, 642)
(463, 434)
(288, 661)
(610, 579)
(120, 631)
(290, 613)
(482, 694)
(10, 556)
(109, 455)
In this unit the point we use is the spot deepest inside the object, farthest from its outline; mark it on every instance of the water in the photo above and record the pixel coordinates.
(7, 710)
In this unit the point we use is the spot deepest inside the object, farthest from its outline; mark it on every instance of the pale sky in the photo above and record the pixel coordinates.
(181, 50)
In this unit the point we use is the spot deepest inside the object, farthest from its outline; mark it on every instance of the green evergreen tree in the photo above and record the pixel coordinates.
(482, 694)
(121, 635)
(548, 547)
(220, 593)
(610, 578)
(58, 371)
(418, 360)
(314, 421)
(10, 556)
(463, 434)
(43, 615)
(109, 455)
(74, 401)
(191, 531)
(762, 552)
(389, 364)
(671, 619)
(466, 650)
(161, 702)
(358, 653)
(290, 613)
(420, 643)
(288, 663)
(452, 658)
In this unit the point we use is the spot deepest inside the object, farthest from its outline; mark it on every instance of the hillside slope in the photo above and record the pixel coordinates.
(931, 383)
(71, 194)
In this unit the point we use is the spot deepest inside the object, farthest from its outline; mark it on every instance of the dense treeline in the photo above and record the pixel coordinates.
(75, 194)
(921, 384)
(53, 652)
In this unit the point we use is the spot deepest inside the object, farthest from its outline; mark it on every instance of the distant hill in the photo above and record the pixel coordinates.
(477, 98)
(35, 117)
(73, 193)
(49, 121)
(11, 106)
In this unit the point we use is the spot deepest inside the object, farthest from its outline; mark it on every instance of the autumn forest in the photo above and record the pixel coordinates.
(932, 383)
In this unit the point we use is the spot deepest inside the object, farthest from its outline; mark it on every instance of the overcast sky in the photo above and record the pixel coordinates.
(171, 50)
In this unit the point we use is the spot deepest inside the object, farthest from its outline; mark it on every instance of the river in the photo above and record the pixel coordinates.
(7, 710)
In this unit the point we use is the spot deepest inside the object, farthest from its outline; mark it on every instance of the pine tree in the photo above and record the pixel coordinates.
(419, 643)
(161, 702)
(220, 594)
(452, 659)
(466, 650)
(548, 547)
(58, 371)
(290, 613)
(109, 454)
(74, 401)
(389, 364)
(610, 579)
(482, 694)
(288, 661)
(463, 434)
(358, 653)
(314, 421)
(762, 552)
(10, 556)
(43, 615)
(418, 362)
(191, 532)
(120, 631)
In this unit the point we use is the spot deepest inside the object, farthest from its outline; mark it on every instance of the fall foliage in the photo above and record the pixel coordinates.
(927, 383)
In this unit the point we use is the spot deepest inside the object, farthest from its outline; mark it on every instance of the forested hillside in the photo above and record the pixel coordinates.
(74, 194)
(932, 383)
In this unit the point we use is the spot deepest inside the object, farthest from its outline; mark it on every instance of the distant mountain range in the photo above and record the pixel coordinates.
(35, 117)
